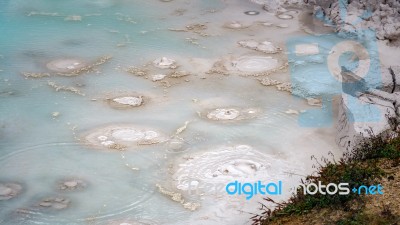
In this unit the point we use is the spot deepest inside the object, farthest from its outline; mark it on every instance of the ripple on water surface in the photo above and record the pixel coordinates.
(113, 188)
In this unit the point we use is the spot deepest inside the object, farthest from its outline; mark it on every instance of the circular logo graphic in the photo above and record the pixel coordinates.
(360, 58)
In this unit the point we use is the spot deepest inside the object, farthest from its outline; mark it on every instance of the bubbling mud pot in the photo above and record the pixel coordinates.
(235, 25)
(264, 46)
(120, 137)
(255, 63)
(224, 164)
(165, 63)
(250, 64)
(124, 102)
(72, 185)
(231, 114)
(252, 13)
(130, 101)
(66, 65)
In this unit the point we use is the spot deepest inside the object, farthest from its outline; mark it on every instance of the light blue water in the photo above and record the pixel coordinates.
(37, 150)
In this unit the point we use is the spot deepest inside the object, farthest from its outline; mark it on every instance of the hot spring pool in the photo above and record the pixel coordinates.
(94, 131)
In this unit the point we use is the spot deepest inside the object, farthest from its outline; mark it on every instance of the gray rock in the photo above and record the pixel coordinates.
(384, 16)
(396, 96)
(391, 79)
(356, 123)
(389, 97)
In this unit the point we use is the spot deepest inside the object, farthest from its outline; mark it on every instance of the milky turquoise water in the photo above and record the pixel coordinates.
(37, 150)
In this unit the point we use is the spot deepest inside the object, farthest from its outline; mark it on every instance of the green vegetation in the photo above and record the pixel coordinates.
(357, 167)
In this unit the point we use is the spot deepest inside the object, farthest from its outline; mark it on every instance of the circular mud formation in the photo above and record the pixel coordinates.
(230, 114)
(249, 65)
(266, 24)
(176, 145)
(285, 16)
(9, 190)
(264, 46)
(65, 65)
(158, 77)
(124, 99)
(306, 49)
(234, 25)
(165, 63)
(253, 64)
(282, 25)
(251, 13)
(55, 203)
(226, 164)
(223, 114)
(119, 137)
(72, 185)
(123, 102)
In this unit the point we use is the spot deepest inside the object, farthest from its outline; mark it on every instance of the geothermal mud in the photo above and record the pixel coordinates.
(204, 98)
